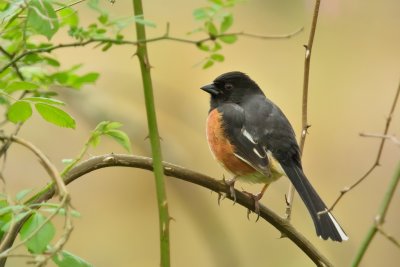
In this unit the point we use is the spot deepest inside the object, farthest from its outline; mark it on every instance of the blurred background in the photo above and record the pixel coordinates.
(354, 76)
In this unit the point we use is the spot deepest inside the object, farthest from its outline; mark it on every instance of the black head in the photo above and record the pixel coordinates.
(231, 87)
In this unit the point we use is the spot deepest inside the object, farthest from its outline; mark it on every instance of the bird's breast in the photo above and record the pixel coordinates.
(221, 147)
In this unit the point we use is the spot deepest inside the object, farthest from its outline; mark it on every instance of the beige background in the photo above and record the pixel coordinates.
(354, 75)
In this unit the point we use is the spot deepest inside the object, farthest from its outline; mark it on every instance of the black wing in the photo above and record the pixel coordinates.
(257, 127)
(247, 148)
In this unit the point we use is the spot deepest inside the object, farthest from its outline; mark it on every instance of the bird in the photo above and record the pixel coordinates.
(252, 139)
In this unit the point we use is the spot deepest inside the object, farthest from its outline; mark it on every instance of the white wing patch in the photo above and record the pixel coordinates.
(258, 153)
(248, 136)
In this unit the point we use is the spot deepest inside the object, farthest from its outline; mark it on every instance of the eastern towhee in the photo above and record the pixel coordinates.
(252, 138)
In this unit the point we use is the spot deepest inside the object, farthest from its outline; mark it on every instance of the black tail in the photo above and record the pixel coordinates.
(325, 224)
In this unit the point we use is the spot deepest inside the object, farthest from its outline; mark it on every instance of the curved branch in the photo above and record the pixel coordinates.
(182, 173)
(132, 161)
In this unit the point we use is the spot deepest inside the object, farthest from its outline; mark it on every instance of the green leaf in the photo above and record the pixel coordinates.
(203, 46)
(121, 137)
(140, 20)
(208, 64)
(51, 61)
(55, 115)
(218, 57)
(22, 194)
(200, 13)
(39, 241)
(106, 46)
(67, 259)
(228, 39)
(113, 125)
(4, 217)
(14, 220)
(20, 111)
(50, 101)
(217, 2)
(211, 29)
(67, 161)
(226, 23)
(68, 17)
(18, 86)
(78, 81)
(217, 46)
(42, 18)
(103, 18)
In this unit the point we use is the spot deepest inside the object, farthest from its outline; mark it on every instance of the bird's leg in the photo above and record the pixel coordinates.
(256, 199)
(231, 183)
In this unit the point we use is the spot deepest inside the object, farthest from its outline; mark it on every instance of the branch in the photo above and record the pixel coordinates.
(161, 192)
(382, 136)
(49, 167)
(378, 156)
(304, 117)
(113, 160)
(165, 36)
(380, 218)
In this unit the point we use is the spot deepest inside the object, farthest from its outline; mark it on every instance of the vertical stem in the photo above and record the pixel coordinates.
(304, 115)
(380, 218)
(154, 138)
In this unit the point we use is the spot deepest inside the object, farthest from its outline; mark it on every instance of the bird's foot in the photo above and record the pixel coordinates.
(231, 184)
(256, 199)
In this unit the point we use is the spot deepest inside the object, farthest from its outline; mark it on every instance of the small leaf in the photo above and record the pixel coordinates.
(140, 20)
(103, 18)
(121, 137)
(217, 46)
(67, 259)
(67, 161)
(42, 18)
(200, 13)
(39, 241)
(51, 61)
(218, 57)
(18, 86)
(208, 64)
(203, 46)
(106, 46)
(22, 194)
(69, 17)
(55, 115)
(50, 101)
(113, 125)
(211, 29)
(87, 78)
(229, 39)
(14, 220)
(20, 111)
(226, 23)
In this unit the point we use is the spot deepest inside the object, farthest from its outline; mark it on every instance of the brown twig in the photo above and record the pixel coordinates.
(389, 237)
(165, 36)
(378, 156)
(49, 167)
(392, 138)
(172, 170)
(304, 116)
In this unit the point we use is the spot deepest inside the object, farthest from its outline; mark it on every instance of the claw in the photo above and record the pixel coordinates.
(231, 184)
(256, 199)
(220, 197)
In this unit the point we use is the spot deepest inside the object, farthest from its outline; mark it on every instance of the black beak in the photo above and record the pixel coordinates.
(210, 88)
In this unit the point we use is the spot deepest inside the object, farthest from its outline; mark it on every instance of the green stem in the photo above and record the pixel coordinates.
(380, 218)
(154, 138)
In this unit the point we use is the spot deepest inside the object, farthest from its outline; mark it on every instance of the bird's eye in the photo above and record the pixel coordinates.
(228, 86)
